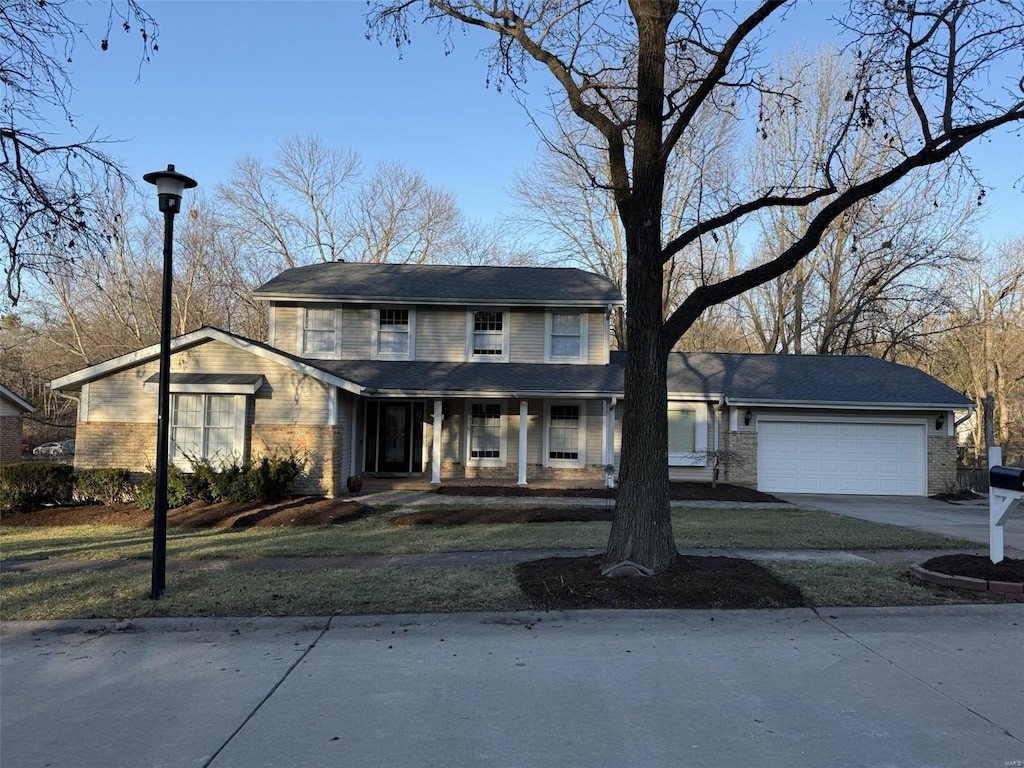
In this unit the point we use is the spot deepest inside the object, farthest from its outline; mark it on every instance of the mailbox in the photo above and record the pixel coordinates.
(1009, 478)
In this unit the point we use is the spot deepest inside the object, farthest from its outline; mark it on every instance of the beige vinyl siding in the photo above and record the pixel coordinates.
(286, 323)
(597, 340)
(356, 332)
(8, 408)
(527, 336)
(286, 397)
(441, 334)
(595, 431)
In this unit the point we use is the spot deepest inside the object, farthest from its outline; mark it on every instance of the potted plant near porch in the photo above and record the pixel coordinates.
(354, 483)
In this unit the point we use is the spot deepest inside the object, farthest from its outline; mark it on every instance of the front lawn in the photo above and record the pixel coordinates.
(694, 527)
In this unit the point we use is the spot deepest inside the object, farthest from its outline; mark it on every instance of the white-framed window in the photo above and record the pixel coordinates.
(565, 337)
(487, 435)
(565, 434)
(393, 334)
(207, 426)
(320, 332)
(488, 335)
(687, 435)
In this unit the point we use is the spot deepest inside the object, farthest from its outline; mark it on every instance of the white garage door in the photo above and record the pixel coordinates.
(842, 457)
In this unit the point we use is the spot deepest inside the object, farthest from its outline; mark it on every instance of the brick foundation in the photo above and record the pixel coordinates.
(941, 463)
(133, 447)
(10, 439)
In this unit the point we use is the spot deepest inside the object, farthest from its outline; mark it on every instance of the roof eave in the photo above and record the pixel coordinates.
(78, 378)
(427, 301)
(849, 405)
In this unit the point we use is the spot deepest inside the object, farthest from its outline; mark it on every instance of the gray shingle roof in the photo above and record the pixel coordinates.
(436, 283)
(807, 379)
(511, 379)
(781, 379)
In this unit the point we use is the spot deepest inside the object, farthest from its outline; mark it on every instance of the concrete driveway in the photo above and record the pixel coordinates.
(966, 519)
(941, 687)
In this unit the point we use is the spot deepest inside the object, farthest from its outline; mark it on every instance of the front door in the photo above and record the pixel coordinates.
(394, 436)
(394, 440)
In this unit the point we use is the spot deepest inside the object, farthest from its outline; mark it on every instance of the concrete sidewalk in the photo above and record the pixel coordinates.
(906, 687)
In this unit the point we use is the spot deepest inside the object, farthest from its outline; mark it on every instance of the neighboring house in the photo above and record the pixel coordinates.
(503, 374)
(12, 414)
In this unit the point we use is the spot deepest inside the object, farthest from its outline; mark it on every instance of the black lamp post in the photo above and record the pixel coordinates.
(169, 187)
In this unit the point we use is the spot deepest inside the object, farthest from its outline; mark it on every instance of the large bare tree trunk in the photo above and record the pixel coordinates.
(642, 527)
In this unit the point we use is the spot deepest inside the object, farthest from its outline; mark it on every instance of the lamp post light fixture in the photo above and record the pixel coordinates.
(169, 187)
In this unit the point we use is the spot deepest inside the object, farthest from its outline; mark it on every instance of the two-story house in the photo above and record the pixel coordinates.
(502, 374)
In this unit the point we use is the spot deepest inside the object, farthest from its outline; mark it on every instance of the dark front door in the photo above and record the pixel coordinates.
(394, 437)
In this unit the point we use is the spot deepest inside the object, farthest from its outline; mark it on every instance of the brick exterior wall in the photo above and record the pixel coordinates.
(591, 475)
(133, 446)
(320, 449)
(10, 439)
(743, 469)
(941, 463)
(109, 445)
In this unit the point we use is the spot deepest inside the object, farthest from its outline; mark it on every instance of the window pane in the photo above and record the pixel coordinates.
(320, 319)
(393, 332)
(488, 334)
(485, 431)
(318, 331)
(186, 427)
(566, 335)
(682, 430)
(563, 432)
(202, 427)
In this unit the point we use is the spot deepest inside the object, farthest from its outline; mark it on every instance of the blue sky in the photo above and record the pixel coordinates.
(238, 78)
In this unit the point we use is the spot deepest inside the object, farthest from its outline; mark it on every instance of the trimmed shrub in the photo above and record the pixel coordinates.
(27, 486)
(270, 479)
(104, 486)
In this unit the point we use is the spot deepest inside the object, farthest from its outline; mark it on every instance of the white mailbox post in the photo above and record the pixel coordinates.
(1005, 491)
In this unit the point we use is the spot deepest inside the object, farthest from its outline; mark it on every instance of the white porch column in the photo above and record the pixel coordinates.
(609, 437)
(354, 438)
(522, 441)
(435, 447)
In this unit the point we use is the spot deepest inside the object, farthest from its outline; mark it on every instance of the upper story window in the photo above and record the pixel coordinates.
(393, 334)
(687, 435)
(566, 337)
(321, 333)
(488, 335)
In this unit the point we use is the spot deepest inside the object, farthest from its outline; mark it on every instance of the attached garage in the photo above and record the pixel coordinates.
(842, 456)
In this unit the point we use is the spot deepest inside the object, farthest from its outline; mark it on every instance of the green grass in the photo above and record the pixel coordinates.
(694, 527)
(209, 587)
(217, 592)
(834, 584)
(205, 592)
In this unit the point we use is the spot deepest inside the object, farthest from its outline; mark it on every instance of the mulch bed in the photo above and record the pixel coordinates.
(305, 510)
(502, 515)
(977, 567)
(563, 583)
(678, 491)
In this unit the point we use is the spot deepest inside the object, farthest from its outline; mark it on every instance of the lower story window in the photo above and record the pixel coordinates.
(565, 429)
(205, 427)
(485, 431)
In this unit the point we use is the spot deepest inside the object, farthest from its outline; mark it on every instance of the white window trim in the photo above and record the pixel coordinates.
(506, 323)
(581, 440)
(583, 356)
(699, 457)
(375, 353)
(300, 342)
(501, 460)
(240, 405)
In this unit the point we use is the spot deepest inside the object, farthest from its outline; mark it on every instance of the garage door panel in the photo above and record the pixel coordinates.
(842, 457)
